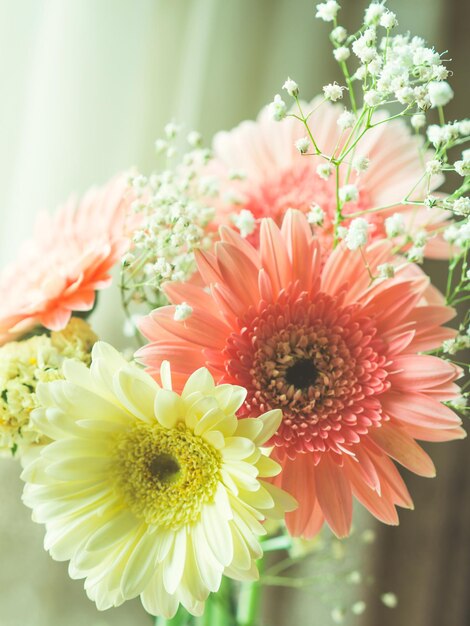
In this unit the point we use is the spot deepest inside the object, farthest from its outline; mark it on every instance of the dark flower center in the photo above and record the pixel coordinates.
(302, 374)
(164, 467)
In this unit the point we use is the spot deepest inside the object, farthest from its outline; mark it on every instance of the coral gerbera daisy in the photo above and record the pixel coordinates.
(148, 492)
(69, 258)
(335, 350)
(271, 175)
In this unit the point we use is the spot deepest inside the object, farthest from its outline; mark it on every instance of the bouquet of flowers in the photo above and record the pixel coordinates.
(285, 347)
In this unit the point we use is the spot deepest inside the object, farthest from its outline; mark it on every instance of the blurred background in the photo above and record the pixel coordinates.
(87, 86)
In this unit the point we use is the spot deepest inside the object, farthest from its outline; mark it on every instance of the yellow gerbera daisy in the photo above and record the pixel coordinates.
(148, 492)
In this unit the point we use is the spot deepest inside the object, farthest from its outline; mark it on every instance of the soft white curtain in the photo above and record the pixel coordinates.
(87, 86)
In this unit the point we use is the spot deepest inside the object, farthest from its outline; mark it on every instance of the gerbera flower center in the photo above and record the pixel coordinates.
(166, 475)
(164, 467)
(301, 374)
(318, 361)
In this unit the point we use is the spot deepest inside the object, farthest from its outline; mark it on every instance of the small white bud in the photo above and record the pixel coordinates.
(373, 13)
(337, 615)
(357, 233)
(361, 164)
(333, 92)
(363, 49)
(464, 127)
(358, 607)
(461, 206)
(354, 577)
(171, 130)
(369, 36)
(127, 259)
(418, 120)
(389, 599)
(194, 139)
(386, 270)
(245, 222)
(395, 225)
(451, 233)
(302, 145)
(440, 93)
(361, 72)
(342, 54)
(316, 215)
(291, 87)
(388, 20)
(420, 238)
(375, 66)
(439, 72)
(430, 201)
(462, 167)
(349, 193)
(324, 170)
(339, 34)
(160, 146)
(405, 95)
(435, 134)
(278, 108)
(139, 181)
(182, 312)
(415, 254)
(347, 119)
(327, 11)
(434, 166)
(368, 536)
(372, 98)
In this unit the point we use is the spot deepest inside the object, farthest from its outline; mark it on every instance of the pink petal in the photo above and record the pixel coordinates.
(55, 319)
(418, 372)
(381, 507)
(298, 480)
(419, 410)
(401, 447)
(274, 256)
(239, 274)
(334, 496)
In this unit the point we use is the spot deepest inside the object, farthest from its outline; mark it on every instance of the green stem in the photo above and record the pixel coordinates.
(347, 76)
(442, 119)
(218, 607)
(338, 215)
(304, 120)
(248, 604)
(221, 613)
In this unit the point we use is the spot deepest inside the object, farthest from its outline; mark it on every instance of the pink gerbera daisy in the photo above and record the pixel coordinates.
(68, 259)
(277, 177)
(337, 352)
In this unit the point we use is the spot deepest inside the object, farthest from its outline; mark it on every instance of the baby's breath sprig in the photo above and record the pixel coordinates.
(173, 220)
(394, 69)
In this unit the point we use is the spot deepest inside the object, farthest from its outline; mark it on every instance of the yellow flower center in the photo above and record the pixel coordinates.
(166, 475)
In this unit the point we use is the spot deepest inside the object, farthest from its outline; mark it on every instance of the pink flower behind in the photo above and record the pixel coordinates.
(68, 259)
(339, 356)
(277, 177)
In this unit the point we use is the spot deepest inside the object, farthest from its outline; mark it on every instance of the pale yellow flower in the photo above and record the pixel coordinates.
(148, 492)
(23, 364)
